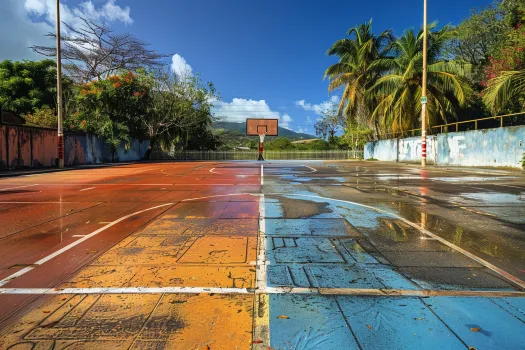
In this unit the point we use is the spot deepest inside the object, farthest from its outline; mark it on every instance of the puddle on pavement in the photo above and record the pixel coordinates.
(495, 198)
(306, 209)
(400, 243)
(472, 178)
(314, 180)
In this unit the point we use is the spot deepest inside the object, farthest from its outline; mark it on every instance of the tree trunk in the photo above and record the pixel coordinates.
(376, 129)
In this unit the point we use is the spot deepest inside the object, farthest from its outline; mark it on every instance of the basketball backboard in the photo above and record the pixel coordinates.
(257, 126)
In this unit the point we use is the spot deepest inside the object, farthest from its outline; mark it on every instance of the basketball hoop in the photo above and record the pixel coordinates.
(262, 127)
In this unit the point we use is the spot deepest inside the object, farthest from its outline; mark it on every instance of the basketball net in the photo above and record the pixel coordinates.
(261, 137)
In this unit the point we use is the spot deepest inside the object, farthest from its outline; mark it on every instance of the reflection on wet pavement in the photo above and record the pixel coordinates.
(324, 255)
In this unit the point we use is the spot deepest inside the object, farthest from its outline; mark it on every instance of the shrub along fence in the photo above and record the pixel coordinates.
(253, 155)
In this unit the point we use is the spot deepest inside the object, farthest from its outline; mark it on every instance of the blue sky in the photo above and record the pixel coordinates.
(263, 56)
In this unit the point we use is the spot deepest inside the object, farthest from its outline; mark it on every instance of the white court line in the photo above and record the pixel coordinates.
(309, 167)
(44, 202)
(222, 195)
(261, 322)
(479, 260)
(126, 290)
(87, 189)
(12, 188)
(168, 184)
(261, 257)
(269, 290)
(77, 242)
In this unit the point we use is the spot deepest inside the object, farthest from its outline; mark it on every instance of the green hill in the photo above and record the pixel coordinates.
(241, 128)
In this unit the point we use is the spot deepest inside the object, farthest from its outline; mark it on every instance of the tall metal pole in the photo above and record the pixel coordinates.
(59, 93)
(424, 90)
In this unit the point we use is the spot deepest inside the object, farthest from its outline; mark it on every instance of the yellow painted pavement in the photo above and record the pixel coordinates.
(170, 252)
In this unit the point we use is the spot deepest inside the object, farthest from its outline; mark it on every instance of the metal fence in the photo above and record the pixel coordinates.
(253, 155)
(466, 125)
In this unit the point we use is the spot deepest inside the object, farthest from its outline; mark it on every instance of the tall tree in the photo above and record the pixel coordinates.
(505, 73)
(114, 108)
(330, 123)
(358, 69)
(477, 36)
(180, 112)
(400, 90)
(95, 51)
(28, 85)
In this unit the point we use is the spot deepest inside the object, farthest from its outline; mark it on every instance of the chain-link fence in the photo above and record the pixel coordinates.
(253, 155)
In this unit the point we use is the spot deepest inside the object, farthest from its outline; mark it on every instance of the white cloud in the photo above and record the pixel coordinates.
(109, 11)
(285, 122)
(180, 67)
(29, 21)
(309, 120)
(317, 108)
(240, 109)
(302, 130)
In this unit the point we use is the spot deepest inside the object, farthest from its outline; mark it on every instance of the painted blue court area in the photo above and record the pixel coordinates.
(356, 253)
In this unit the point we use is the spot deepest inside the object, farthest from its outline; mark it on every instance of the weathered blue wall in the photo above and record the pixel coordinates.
(30, 147)
(490, 147)
(92, 149)
(501, 147)
(137, 151)
(409, 149)
(382, 150)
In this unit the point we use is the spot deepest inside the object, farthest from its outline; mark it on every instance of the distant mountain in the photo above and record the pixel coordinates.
(241, 128)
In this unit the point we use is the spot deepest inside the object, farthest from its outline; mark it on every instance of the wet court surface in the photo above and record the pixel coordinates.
(284, 255)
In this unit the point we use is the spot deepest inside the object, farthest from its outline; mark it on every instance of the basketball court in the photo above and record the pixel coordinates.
(260, 255)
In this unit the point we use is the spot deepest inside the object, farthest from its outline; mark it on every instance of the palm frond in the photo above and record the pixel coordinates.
(503, 88)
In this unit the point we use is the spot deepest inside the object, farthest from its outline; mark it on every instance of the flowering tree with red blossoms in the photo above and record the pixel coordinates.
(505, 73)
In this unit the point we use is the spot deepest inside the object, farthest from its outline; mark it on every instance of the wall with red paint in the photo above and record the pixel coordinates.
(31, 147)
(3, 147)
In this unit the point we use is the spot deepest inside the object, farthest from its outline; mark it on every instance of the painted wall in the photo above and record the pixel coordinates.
(30, 147)
(409, 149)
(385, 150)
(501, 147)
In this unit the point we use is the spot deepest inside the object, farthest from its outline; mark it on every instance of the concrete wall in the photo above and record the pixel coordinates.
(409, 149)
(385, 150)
(30, 147)
(501, 147)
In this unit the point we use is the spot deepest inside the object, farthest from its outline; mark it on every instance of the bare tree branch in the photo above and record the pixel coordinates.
(95, 51)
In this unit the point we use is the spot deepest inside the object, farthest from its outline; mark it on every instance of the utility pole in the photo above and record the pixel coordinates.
(59, 93)
(424, 90)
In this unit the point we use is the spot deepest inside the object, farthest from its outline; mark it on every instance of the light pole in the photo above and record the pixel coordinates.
(59, 93)
(424, 90)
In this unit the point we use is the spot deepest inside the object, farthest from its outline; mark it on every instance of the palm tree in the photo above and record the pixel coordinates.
(504, 88)
(401, 89)
(358, 69)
